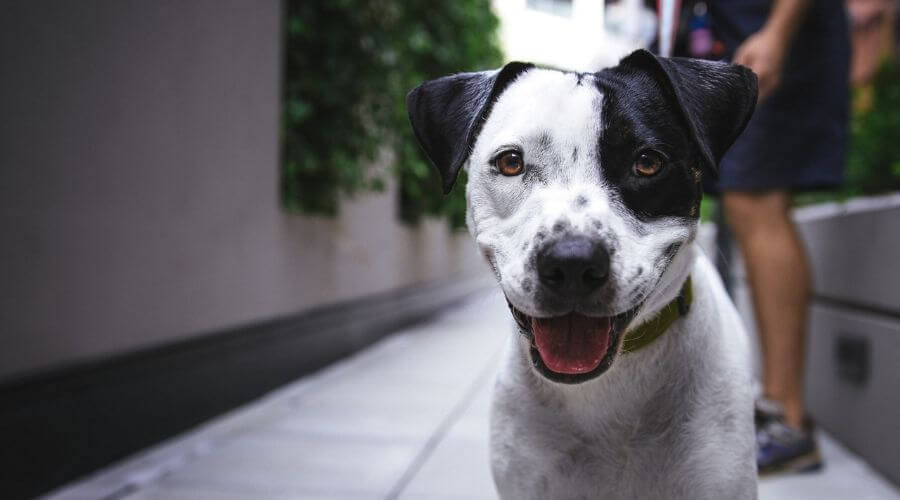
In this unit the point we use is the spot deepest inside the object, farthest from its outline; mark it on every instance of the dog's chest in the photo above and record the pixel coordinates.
(611, 457)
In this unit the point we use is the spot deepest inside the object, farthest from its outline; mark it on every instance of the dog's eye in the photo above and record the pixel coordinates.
(510, 163)
(648, 163)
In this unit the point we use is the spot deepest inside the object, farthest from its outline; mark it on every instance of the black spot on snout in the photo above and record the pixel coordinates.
(560, 226)
(527, 285)
(580, 201)
(612, 242)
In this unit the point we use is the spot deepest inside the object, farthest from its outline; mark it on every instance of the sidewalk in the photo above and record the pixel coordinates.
(405, 419)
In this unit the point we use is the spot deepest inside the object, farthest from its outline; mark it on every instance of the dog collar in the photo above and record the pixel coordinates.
(645, 334)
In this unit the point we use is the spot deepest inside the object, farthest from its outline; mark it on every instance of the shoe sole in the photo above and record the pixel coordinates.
(811, 462)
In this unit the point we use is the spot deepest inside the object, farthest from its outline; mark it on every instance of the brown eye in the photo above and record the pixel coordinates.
(510, 163)
(648, 164)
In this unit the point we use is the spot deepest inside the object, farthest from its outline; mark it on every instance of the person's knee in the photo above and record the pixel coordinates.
(751, 211)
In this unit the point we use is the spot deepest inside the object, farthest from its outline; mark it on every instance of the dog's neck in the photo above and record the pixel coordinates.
(645, 334)
(670, 284)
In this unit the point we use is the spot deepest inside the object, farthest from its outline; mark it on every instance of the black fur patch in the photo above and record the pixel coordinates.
(688, 111)
(636, 117)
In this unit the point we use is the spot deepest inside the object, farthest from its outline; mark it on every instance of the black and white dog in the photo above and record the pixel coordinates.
(629, 374)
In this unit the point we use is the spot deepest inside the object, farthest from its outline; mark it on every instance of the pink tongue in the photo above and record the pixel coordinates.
(572, 343)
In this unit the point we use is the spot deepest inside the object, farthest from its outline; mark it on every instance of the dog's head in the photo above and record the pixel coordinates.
(582, 186)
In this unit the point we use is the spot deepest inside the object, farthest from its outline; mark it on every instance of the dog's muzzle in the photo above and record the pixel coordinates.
(573, 348)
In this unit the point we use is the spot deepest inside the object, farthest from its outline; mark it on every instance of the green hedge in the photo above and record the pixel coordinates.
(348, 67)
(873, 165)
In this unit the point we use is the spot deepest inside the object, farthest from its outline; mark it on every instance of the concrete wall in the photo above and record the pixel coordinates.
(139, 185)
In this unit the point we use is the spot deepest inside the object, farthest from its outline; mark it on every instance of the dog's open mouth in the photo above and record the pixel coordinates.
(573, 348)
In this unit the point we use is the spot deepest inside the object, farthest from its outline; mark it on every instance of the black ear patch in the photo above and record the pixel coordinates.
(447, 114)
(716, 99)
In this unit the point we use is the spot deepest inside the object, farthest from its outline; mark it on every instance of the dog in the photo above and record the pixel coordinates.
(628, 375)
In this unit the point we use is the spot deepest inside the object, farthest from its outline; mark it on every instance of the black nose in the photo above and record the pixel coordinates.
(573, 266)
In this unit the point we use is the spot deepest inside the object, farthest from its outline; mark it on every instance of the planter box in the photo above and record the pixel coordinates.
(854, 248)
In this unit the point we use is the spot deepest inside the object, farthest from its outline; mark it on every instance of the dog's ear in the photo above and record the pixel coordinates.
(447, 114)
(716, 99)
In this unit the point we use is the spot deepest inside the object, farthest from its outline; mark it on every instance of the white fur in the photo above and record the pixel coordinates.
(673, 420)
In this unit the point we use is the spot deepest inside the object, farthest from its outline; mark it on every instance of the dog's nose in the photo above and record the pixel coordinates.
(573, 266)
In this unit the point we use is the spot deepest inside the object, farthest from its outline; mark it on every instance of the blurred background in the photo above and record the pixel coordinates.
(203, 202)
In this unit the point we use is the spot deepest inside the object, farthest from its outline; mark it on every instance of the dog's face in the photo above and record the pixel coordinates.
(582, 187)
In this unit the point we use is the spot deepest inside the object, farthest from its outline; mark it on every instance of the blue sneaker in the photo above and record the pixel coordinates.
(780, 448)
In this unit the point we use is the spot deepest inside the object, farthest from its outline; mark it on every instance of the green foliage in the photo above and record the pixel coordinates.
(349, 65)
(708, 207)
(873, 165)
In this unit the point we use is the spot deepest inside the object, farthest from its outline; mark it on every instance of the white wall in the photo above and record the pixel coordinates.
(139, 185)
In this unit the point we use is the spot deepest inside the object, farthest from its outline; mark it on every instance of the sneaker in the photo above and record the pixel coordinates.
(766, 410)
(780, 448)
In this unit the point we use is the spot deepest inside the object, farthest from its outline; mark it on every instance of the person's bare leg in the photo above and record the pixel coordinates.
(780, 282)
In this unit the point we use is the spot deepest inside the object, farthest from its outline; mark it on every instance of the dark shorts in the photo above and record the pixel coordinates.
(797, 138)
